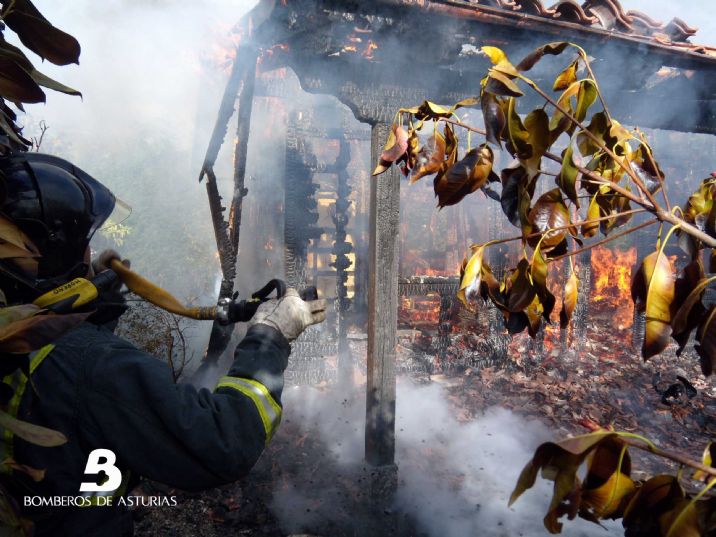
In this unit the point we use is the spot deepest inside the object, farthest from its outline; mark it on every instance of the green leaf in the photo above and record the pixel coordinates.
(537, 126)
(539, 271)
(500, 84)
(585, 99)
(590, 227)
(599, 127)
(47, 82)
(34, 434)
(567, 179)
(494, 116)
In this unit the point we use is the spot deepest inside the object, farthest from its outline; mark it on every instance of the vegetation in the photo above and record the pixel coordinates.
(605, 175)
(25, 328)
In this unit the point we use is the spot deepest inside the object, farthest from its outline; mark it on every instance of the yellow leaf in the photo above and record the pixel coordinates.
(660, 282)
(607, 499)
(496, 55)
(470, 276)
(567, 77)
(569, 300)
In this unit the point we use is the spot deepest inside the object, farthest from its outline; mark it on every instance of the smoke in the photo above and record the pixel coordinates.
(455, 476)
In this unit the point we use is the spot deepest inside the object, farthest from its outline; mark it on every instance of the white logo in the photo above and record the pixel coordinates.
(102, 460)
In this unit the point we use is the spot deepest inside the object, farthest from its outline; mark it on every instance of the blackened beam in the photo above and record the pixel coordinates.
(241, 150)
(242, 65)
(242, 74)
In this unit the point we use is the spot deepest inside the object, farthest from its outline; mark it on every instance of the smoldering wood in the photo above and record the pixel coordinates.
(242, 76)
(243, 129)
(382, 308)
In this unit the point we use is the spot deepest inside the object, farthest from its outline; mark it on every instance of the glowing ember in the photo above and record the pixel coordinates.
(419, 311)
(611, 284)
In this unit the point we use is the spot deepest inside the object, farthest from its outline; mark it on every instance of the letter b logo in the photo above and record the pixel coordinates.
(102, 460)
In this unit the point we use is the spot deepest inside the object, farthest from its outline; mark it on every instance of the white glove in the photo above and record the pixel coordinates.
(290, 314)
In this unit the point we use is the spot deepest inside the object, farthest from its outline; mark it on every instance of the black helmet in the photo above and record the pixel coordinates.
(59, 207)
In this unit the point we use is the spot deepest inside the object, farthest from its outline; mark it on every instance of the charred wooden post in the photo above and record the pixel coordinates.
(341, 249)
(300, 208)
(382, 308)
(243, 74)
(580, 317)
(241, 146)
(444, 327)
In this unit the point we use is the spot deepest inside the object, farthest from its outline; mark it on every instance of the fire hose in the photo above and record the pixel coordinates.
(82, 292)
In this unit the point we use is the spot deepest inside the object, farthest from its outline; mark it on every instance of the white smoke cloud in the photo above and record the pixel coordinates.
(454, 477)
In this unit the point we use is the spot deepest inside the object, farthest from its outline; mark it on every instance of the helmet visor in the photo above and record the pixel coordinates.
(121, 212)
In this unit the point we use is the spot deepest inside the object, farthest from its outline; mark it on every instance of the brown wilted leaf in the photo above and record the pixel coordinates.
(41, 37)
(529, 61)
(518, 288)
(558, 462)
(34, 434)
(35, 332)
(395, 148)
(465, 176)
(10, 233)
(655, 496)
(430, 157)
(517, 192)
(17, 85)
(548, 213)
(34, 473)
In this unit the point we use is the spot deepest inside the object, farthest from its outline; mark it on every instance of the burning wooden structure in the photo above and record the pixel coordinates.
(374, 58)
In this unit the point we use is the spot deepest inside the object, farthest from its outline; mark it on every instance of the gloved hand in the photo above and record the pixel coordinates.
(290, 314)
(104, 260)
(112, 303)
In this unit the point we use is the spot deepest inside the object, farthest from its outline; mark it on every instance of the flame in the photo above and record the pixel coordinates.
(368, 52)
(416, 311)
(611, 283)
(357, 45)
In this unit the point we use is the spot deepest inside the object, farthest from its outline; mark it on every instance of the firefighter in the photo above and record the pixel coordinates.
(103, 393)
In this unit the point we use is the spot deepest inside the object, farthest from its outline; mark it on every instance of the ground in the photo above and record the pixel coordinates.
(300, 473)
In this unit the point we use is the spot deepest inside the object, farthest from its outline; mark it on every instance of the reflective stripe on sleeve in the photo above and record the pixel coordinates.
(269, 410)
(18, 382)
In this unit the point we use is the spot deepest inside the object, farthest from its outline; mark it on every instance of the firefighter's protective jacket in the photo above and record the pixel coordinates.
(102, 392)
